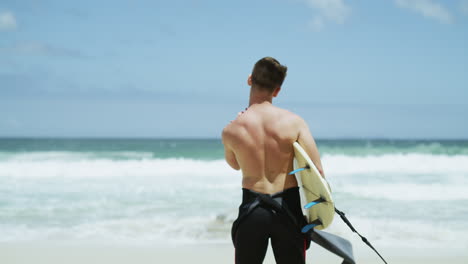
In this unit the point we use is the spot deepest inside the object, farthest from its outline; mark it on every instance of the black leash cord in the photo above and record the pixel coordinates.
(343, 217)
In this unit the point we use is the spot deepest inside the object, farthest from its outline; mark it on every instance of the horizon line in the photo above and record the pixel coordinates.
(219, 138)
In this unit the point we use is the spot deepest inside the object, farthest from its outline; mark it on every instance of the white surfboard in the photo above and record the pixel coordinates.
(316, 200)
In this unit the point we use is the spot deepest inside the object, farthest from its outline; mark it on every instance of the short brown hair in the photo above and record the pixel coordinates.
(268, 74)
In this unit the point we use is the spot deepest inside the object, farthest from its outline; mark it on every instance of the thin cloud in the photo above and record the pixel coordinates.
(41, 49)
(427, 8)
(464, 6)
(7, 21)
(334, 11)
(317, 23)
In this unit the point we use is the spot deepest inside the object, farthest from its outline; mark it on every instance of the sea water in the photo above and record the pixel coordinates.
(147, 191)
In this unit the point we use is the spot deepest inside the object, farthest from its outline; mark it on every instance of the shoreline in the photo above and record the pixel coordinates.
(79, 253)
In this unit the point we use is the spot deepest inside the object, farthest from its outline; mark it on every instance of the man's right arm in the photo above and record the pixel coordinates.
(306, 140)
(229, 155)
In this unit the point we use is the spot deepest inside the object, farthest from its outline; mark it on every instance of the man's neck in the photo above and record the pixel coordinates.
(259, 97)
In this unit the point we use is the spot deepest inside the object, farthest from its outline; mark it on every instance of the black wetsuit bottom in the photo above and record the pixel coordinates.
(277, 217)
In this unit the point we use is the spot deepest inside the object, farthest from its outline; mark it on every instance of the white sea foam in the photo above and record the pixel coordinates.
(407, 164)
(68, 155)
(79, 165)
(407, 191)
(134, 197)
(73, 164)
(401, 233)
(134, 231)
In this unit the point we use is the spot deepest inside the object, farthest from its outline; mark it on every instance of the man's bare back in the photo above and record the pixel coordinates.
(259, 142)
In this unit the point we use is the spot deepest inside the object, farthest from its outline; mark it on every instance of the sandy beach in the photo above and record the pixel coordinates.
(35, 253)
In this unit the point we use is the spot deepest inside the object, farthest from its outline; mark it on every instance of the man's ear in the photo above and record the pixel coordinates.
(249, 80)
(276, 91)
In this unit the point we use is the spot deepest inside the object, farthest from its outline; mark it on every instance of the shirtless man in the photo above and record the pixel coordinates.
(260, 143)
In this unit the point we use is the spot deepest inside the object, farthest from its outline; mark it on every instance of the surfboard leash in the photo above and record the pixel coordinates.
(347, 222)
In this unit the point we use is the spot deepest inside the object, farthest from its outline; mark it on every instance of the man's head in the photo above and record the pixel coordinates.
(268, 75)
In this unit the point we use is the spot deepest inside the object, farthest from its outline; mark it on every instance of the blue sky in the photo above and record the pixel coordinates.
(357, 69)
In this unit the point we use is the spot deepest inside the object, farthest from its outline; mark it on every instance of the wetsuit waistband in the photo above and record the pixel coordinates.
(290, 194)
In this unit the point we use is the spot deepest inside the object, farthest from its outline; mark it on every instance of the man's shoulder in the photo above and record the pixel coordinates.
(231, 130)
(228, 129)
(290, 116)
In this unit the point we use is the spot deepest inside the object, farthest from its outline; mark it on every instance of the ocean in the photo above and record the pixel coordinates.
(411, 193)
